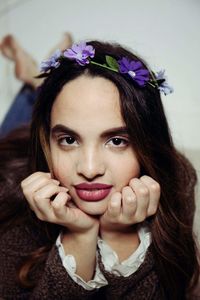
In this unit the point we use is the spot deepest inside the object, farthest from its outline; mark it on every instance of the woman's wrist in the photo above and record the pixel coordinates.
(88, 235)
(82, 245)
(117, 229)
(123, 242)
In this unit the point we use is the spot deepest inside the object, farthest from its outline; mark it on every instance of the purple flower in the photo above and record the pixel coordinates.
(163, 86)
(135, 70)
(52, 62)
(80, 52)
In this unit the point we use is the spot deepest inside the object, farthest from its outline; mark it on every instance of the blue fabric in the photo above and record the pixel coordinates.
(20, 111)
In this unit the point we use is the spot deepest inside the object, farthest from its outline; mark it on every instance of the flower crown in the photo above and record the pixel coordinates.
(83, 54)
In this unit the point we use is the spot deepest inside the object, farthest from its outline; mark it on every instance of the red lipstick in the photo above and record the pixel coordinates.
(92, 191)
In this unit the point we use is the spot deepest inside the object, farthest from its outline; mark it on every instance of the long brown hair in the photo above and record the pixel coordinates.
(13, 166)
(14, 209)
(171, 228)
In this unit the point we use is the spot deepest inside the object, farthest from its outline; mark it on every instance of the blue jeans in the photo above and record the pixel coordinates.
(20, 111)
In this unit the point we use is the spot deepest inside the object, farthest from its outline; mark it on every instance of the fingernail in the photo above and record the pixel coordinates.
(56, 182)
(58, 203)
(130, 199)
(115, 202)
(64, 189)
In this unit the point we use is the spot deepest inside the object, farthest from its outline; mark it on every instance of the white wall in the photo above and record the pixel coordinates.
(165, 32)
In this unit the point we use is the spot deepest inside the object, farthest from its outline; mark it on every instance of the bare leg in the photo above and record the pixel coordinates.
(25, 66)
(65, 42)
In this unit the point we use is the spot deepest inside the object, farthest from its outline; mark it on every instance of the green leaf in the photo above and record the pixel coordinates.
(112, 63)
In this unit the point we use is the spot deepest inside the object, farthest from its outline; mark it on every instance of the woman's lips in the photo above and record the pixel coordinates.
(92, 191)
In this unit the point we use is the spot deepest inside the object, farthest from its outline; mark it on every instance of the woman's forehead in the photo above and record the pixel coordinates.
(88, 99)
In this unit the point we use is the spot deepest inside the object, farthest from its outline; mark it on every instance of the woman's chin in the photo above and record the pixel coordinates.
(93, 208)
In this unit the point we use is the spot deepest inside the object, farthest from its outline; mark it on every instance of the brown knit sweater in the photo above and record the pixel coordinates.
(54, 281)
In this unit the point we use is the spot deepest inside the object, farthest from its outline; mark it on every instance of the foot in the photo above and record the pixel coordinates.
(25, 66)
(64, 43)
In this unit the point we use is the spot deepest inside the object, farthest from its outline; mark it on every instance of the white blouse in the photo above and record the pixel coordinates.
(110, 260)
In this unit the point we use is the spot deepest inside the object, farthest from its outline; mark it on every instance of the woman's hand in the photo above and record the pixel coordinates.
(134, 204)
(81, 237)
(39, 188)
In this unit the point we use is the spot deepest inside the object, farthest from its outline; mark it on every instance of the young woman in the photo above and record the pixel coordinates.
(108, 204)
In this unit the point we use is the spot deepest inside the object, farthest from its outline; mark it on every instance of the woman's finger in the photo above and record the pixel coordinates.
(35, 176)
(142, 195)
(36, 185)
(59, 205)
(39, 183)
(129, 203)
(154, 194)
(47, 191)
(41, 199)
(114, 206)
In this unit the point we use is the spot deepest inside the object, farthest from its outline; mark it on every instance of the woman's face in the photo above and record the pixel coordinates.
(90, 148)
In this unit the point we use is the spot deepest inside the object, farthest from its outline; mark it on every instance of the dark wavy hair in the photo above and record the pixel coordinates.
(173, 243)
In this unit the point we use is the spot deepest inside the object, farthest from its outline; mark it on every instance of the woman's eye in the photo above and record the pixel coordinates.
(67, 140)
(118, 142)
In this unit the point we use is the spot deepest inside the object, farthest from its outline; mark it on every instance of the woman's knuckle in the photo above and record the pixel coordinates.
(127, 220)
(132, 181)
(143, 191)
(37, 198)
(39, 173)
(140, 218)
(153, 210)
(26, 193)
(57, 208)
(22, 184)
(40, 216)
(155, 187)
(130, 200)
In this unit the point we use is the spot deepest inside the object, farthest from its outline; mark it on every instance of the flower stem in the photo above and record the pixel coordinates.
(104, 66)
(154, 80)
(151, 84)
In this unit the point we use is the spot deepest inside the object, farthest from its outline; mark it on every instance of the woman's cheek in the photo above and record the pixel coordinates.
(124, 171)
(61, 168)
(63, 174)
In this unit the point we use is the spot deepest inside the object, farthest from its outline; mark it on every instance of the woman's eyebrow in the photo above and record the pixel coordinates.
(114, 131)
(59, 128)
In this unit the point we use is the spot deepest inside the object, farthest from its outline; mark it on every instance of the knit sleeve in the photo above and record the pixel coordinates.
(69, 263)
(53, 281)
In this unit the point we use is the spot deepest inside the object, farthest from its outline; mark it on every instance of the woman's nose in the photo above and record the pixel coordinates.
(91, 164)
